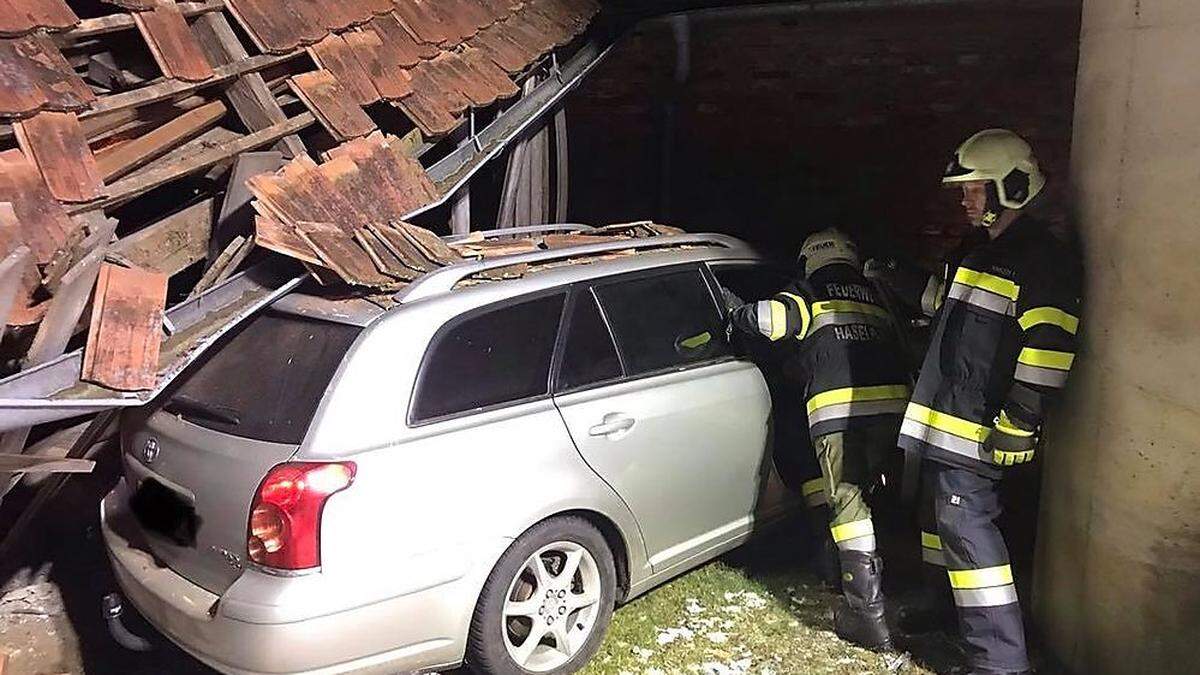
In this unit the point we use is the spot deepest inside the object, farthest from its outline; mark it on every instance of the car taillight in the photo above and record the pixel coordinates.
(285, 518)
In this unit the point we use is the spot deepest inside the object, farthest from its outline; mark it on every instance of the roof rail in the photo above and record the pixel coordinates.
(517, 231)
(445, 279)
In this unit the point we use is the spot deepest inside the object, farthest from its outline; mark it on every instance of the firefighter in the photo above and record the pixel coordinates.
(854, 392)
(1005, 318)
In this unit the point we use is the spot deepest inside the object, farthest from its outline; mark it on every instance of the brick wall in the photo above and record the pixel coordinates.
(789, 123)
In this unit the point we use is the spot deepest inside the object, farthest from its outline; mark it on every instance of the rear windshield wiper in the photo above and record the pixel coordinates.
(186, 406)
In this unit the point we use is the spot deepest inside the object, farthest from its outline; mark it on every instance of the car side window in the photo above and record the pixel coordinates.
(589, 354)
(664, 321)
(500, 355)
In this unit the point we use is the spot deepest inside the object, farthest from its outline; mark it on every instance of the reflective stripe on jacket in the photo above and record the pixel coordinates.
(848, 358)
(1003, 341)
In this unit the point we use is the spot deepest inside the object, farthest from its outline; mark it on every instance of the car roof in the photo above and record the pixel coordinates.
(473, 283)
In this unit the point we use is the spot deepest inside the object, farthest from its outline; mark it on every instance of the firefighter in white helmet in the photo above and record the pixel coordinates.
(854, 390)
(1005, 316)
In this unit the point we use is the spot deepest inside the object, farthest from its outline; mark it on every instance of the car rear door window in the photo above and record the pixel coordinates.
(589, 355)
(664, 321)
(496, 356)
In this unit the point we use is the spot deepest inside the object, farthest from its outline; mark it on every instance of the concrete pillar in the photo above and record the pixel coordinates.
(1117, 582)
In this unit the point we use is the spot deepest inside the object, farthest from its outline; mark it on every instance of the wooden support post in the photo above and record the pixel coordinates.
(562, 170)
(251, 99)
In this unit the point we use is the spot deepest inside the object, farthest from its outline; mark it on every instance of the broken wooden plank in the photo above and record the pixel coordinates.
(341, 253)
(172, 43)
(55, 143)
(160, 91)
(172, 244)
(118, 160)
(222, 263)
(145, 181)
(249, 94)
(330, 102)
(115, 23)
(334, 55)
(126, 330)
(68, 303)
(43, 221)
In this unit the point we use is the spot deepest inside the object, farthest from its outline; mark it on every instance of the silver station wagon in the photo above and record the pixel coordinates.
(477, 474)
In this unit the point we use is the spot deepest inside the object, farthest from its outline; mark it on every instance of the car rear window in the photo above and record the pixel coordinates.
(265, 380)
(501, 355)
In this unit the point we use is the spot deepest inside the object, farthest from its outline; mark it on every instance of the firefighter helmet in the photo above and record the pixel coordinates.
(827, 247)
(1004, 160)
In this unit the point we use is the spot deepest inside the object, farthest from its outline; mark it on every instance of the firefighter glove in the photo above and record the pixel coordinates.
(1009, 442)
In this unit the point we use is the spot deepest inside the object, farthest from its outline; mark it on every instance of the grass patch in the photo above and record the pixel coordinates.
(754, 611)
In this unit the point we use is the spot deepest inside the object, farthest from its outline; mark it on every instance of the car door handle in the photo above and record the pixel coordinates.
(614, 423)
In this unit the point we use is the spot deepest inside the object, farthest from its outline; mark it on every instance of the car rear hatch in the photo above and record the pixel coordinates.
(195, 456)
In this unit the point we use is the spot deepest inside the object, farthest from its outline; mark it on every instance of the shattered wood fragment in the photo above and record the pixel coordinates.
(342, 254)
(43, 222)
(334, 55)
(223, 265)
(331, 103)
(172, 43)
(55, 143)
(275, 236)
(121, 158)
(390, 78)
(126, 329)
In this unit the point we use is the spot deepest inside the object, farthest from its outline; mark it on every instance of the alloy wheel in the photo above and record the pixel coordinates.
(551, 606)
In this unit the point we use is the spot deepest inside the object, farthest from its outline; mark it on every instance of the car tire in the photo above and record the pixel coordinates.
(528, 591)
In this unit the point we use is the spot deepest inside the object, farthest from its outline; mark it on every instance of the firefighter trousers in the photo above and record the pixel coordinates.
(850, 462)
(958, 522)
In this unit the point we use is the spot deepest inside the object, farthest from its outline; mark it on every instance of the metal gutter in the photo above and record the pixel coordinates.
(454, 170)
(53, 391)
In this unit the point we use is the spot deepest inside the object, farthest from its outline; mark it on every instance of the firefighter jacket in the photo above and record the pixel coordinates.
(1003, 341)
(846, 358)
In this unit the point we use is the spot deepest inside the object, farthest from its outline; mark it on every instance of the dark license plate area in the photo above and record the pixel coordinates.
(161, 510)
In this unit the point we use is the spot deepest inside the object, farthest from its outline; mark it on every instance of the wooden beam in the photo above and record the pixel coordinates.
(113, 23)
(124, 157)
(172, 244)
(165, 89)
(33, 463)
(249, 95)
(145, 181)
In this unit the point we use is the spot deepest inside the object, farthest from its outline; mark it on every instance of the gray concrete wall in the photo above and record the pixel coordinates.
(1117, 585)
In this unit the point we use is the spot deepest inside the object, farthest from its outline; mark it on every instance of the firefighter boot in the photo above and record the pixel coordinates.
(825, 563)
(931, 608)
(859, 617)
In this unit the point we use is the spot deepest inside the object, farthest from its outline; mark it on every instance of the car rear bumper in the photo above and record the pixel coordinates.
(419, 631)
